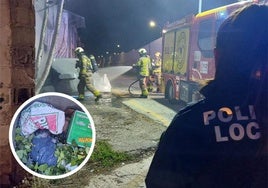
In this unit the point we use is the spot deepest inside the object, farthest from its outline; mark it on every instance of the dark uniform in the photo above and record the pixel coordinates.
(214, 143)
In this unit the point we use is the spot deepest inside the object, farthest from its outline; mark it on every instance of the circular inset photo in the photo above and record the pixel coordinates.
(52, 135)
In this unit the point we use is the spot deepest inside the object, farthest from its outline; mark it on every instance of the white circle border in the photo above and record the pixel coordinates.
(46, 95)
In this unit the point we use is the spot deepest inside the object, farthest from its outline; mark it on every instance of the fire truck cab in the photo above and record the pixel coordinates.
(188, 57)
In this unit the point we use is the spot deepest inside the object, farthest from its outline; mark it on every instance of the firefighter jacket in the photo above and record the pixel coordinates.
(157, 66)
(216, 142)
(144, 66)
(84, 64)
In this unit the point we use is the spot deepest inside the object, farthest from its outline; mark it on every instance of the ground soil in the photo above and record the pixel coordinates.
(127, 131)
(124, 128)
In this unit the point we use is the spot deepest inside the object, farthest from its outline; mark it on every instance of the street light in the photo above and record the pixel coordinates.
(152, 23)
(200, 6)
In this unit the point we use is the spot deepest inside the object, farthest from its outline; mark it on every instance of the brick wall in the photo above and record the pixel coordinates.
(17, 40)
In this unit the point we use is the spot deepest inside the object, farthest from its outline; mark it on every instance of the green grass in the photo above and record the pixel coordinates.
(103, 159)
(105, 156)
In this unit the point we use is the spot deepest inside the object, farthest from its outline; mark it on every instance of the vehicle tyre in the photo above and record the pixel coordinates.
(169, 93)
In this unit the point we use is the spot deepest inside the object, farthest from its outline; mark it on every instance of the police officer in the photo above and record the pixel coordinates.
(86, 69)
(221, 141)
(143, 67)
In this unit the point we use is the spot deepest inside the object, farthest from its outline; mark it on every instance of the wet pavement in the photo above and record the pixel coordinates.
(140, 135)
(151, 109)
(130, 124)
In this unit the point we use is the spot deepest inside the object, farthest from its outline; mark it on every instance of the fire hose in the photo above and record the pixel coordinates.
(131, 87)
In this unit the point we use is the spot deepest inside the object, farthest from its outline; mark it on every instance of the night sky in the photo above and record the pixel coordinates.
(126, 22)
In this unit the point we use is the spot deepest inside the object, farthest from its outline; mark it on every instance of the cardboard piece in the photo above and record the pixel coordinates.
(80, 130)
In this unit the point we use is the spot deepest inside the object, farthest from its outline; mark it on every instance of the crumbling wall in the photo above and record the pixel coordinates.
(16, 73)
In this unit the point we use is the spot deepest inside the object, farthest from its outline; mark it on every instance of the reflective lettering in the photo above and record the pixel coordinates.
(250, 133)
(235, 130)
(240, 130)
(239, 116)
(252, 112)
(225, 114)
(219, 138)
(209, 115)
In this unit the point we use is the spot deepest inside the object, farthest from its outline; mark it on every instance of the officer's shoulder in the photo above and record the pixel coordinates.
(192, 107)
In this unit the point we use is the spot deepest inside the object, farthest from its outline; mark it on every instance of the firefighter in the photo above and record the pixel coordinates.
(222, 140)
(86, 69)
(143, 67)
(156, 71)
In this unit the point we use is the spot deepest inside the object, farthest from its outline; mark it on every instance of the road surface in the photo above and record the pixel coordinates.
(155, 108)
(130, 124)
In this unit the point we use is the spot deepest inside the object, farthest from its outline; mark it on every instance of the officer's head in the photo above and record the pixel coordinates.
(142, 52)
(78, 51)
(242, 44)
(241, 56)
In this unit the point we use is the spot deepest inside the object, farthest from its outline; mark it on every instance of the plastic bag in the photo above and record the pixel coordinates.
(41, 116)
(43, 149)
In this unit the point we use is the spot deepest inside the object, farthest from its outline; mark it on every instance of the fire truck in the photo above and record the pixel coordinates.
(187, 52)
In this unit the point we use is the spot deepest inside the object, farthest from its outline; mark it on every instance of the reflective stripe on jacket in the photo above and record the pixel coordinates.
(157, 68)
(144, 66)
(85, 64)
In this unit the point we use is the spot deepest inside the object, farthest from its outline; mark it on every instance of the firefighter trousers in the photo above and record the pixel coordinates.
(87, 81)
(143, 85)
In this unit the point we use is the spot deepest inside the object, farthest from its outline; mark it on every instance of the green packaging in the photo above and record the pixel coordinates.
(80, 130)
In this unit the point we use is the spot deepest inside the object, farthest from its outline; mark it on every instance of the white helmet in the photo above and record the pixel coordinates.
(142, 51)
(78, 50)
(91, 56)
(157, 54)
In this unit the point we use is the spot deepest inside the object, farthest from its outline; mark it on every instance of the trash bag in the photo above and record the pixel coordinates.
(41, 116)
(43, 149)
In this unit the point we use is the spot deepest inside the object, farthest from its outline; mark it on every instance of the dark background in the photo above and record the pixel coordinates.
(126, 22)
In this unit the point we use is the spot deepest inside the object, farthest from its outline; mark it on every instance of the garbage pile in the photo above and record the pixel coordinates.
(50, 141)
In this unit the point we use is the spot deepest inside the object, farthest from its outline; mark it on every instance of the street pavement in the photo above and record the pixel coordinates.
(155, 107)
(133, 175)
(152, 109)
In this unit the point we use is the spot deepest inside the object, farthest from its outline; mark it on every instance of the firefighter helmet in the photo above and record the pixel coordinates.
(79, 50)
(142, 51)
(91, 57)
(157, 54)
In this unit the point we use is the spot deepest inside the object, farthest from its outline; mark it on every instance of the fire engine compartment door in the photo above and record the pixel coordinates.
(168, 52)
(187, 89)
(181, 51)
